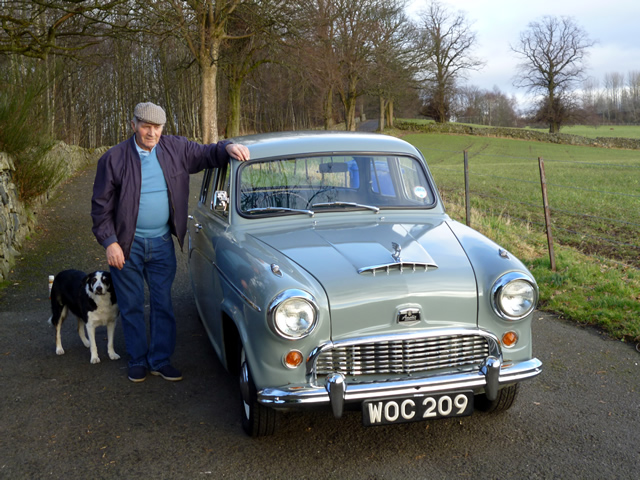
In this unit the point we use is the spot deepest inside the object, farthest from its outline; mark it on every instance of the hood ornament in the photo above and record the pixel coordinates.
(423, 264)
(396, 251)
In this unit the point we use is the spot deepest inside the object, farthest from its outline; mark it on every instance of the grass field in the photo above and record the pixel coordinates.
(594, 195)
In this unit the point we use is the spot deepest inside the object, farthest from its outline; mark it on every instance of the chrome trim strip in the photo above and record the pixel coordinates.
(308, 395)
(237, 290)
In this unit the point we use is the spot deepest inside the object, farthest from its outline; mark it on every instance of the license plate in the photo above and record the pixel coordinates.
(416, 408)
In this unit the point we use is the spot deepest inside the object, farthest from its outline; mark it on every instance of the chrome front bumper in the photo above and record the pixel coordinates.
(337, 392)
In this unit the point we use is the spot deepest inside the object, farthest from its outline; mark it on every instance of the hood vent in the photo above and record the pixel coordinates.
(402, 267)
(399, 265)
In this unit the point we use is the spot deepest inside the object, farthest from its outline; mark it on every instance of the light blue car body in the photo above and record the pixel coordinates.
(385, 277)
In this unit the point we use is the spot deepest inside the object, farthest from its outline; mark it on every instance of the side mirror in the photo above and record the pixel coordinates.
(220, 201)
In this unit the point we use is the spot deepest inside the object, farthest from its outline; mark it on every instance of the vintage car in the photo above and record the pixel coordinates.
(327, 273)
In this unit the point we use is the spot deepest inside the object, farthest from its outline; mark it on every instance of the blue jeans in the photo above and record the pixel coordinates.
(152, 260)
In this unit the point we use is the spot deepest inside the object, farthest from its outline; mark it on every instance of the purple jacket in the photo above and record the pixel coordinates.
(116, 190)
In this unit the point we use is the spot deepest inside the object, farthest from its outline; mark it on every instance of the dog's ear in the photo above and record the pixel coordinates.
(87, 280)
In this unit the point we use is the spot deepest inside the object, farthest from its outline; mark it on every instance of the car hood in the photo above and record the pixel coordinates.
(374, 273)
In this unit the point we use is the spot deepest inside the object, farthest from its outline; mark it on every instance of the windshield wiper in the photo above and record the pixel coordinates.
(346, 204)
(280, 209)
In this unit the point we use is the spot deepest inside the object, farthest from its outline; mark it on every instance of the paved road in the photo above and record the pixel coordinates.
(61, 417)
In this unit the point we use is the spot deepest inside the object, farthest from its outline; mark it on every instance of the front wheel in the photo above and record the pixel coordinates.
(505, 400)
(257, 420)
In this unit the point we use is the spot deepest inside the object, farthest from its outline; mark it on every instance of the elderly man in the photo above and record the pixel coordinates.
(140, 199)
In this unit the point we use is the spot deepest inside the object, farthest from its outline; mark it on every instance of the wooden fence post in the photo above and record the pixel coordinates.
(467, 199)
(547, 214)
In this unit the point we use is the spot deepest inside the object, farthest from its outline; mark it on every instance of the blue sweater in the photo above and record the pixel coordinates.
(153, 215)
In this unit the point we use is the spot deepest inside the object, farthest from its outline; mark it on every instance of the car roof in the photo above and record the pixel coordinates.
(291, 143)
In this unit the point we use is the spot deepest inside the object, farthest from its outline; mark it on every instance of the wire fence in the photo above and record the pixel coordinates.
(592, 206)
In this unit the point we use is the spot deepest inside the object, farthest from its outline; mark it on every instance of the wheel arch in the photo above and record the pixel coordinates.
(232, 344)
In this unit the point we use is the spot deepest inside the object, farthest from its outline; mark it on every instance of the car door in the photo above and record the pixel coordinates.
(206, 228)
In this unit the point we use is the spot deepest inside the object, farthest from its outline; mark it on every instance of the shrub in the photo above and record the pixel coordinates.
(36, 173)
(23, 135)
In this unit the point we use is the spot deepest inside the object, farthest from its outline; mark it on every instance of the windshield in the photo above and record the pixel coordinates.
(316, 184)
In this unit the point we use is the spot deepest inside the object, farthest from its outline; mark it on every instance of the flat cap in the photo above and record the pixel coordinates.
(150, 113)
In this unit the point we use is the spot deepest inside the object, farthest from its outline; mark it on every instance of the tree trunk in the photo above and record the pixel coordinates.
(209, 72)
(390, 114)
(350, 105)
(553, 114)
(233, 122)
(171, 127)
(381, 116)
(350, 114)
(328, 110)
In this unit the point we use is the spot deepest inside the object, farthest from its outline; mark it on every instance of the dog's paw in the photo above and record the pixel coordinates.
(59, 351)
(95, 360)
(86, 342)
(114, 356)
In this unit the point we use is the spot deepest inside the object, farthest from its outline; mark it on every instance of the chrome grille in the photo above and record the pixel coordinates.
(404, 357)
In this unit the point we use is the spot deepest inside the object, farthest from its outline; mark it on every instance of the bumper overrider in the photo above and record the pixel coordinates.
(336, 388)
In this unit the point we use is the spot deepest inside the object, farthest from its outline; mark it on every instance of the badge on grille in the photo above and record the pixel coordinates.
(408, 316)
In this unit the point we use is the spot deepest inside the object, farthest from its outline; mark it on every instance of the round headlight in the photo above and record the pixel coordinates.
(514, 296)
(293, 314)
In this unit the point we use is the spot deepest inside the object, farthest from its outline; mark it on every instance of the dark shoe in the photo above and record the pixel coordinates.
(137, 373)
(168, 373)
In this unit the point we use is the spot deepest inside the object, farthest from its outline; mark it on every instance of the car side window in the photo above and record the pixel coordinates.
(222, 180)
(206, 182)
(414, 182)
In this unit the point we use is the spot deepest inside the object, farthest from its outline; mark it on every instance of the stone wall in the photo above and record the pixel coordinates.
(520, 134)
(16, 218)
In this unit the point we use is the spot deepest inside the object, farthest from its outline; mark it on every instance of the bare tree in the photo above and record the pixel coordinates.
(356, 23)
(553, 52)
(484, 107)
(246, 48)
(633, 95)
(348, 48)
(614, 86)
(394, 59)
(202, 26)
(446, 45)
(36, 28)
(314, 55)
(591, 101)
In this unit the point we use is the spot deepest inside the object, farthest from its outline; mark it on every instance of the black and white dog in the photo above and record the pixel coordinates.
(92, 299)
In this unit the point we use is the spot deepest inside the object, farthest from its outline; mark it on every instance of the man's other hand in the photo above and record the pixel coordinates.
(238, 151)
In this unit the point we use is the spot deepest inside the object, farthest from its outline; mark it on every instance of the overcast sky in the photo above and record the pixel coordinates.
(613, 24)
